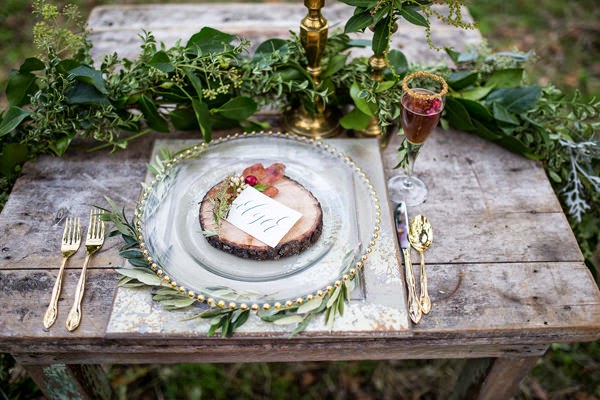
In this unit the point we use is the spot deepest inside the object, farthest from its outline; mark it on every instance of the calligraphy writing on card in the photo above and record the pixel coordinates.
(262, 217)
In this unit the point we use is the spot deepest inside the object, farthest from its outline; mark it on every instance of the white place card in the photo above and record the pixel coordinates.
(262, 217)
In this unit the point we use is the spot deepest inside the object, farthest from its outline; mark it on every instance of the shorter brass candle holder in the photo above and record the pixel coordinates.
(320, 125)
(313, 35)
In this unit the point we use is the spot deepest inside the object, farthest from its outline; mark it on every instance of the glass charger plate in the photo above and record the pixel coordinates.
(168, 220)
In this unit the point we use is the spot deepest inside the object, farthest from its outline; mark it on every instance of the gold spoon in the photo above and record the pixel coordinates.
(420, 235)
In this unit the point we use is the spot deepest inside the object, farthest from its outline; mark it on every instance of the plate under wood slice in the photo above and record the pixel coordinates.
(302, 235)
(167, 219)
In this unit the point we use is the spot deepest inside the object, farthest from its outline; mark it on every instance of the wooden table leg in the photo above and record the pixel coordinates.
(70, 381)
(492, 378)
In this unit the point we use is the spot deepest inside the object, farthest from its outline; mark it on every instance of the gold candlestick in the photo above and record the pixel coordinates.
(313, 35)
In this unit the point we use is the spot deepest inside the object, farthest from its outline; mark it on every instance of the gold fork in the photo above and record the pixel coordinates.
(93, 243)
(71, 240)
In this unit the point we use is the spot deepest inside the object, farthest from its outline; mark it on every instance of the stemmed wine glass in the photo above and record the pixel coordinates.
(421, 111)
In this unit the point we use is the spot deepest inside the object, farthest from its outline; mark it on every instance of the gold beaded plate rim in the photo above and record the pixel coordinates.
(348, 273)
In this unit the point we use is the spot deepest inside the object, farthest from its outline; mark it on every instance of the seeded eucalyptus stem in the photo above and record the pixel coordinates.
(125, 140)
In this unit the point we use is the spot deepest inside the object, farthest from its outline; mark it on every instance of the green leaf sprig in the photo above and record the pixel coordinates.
(381, 17)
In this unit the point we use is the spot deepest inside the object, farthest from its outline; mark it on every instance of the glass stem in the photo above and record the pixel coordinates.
(412, 151)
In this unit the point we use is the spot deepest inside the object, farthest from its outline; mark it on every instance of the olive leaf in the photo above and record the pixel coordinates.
(140, 274)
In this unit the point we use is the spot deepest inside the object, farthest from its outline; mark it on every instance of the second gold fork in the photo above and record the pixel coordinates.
(71, 240)
(93, 243)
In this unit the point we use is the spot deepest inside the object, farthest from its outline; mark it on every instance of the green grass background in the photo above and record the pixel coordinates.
(566, 38)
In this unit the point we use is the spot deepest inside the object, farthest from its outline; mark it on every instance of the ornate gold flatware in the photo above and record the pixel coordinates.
(420, 236)
(93, 243)
(401, 220)
(71, 240)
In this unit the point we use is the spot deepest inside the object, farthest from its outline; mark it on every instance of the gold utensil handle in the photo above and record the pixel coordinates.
(424, 299)
(74, 317)
(414, 309)
(52, 311)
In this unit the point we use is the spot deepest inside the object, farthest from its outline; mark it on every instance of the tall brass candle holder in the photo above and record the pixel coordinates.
(313, 35)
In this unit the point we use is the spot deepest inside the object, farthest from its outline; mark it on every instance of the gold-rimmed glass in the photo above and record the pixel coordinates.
(422, 108)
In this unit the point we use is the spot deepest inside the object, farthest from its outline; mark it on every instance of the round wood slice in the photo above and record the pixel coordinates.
(304, 233)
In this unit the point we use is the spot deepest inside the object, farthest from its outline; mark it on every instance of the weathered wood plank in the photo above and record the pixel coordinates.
(506, 276)
(512, 286)
(24, 297)
(49, 190)
(487, 204)
(507, 303)
(466, 175)
(502, 238)
(125, 351)
(118, 27)
(512, 299)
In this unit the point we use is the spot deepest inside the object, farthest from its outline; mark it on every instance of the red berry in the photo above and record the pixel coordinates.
(251, 180)
(437, 105)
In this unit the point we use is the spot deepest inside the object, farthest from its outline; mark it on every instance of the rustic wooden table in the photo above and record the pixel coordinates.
(506, 275)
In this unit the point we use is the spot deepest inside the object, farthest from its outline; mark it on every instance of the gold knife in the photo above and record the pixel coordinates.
(401, 221)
